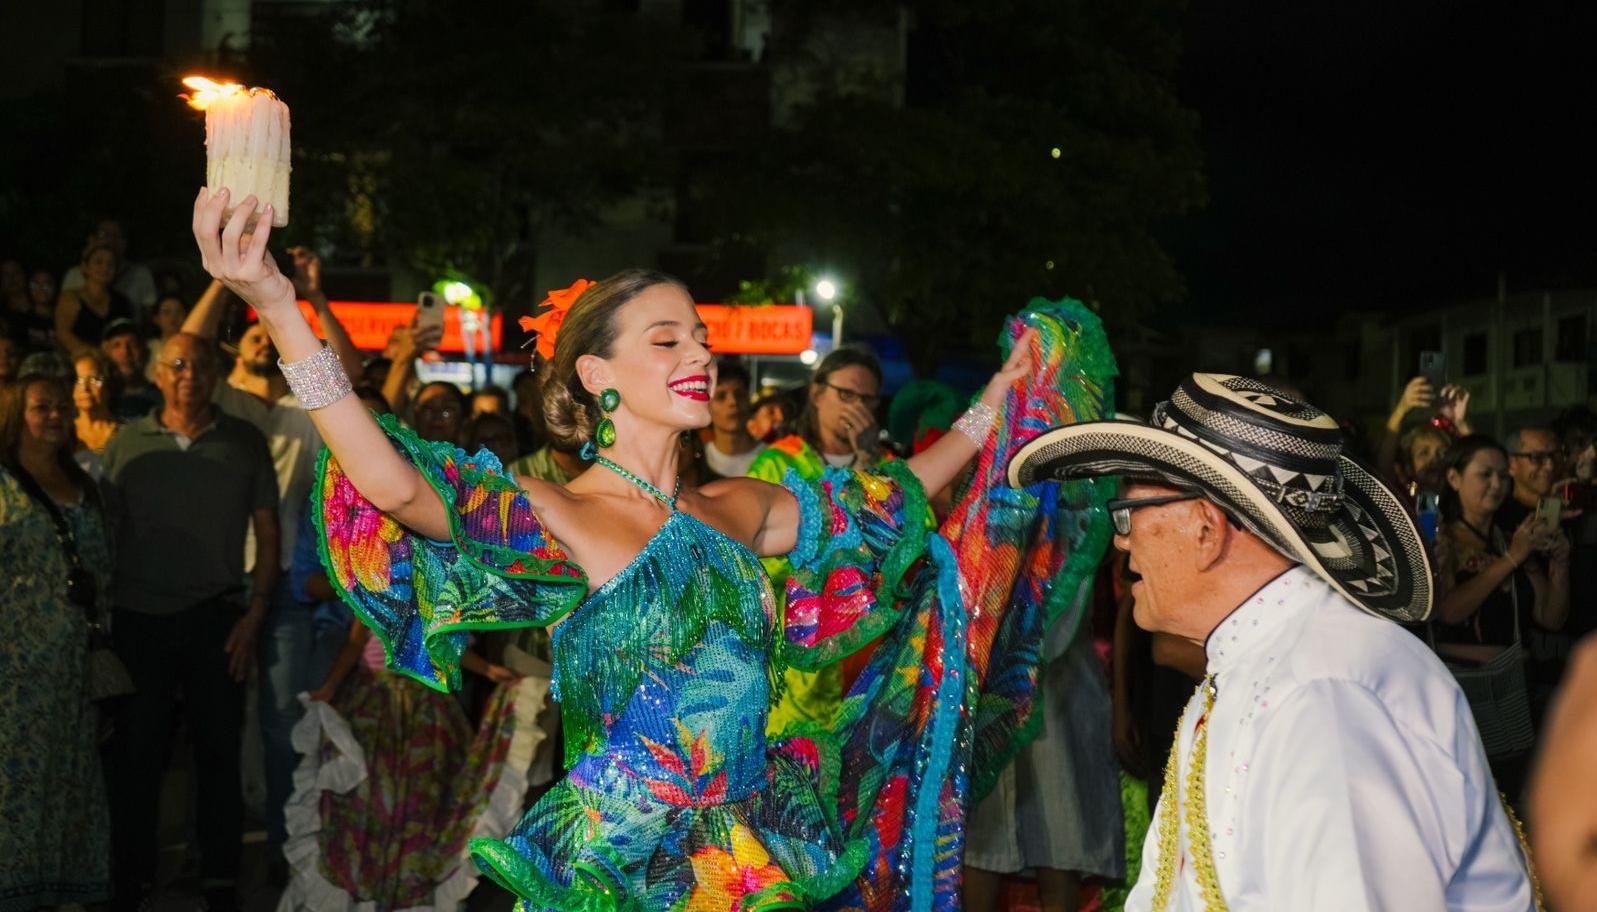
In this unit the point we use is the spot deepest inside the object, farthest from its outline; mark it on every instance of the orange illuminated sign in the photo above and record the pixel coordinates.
(369, 323)
(780, 329)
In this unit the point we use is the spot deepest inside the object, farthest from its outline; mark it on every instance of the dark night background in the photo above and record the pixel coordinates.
(1355, 155)
(1387, 155)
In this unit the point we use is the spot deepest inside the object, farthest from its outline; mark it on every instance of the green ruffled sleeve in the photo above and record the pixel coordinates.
(860, 531)
(501, 568)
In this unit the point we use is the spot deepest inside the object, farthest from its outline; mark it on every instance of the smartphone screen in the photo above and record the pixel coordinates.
(1549, 512)
(1433, 367)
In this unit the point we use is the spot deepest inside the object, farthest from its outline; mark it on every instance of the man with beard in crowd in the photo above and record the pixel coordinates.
(256, 392)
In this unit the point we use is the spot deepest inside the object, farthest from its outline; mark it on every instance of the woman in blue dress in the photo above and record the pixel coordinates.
(665, 635)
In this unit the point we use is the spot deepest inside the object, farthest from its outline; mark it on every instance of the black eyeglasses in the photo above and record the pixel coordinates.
(1543, 457)
(850, 397)
(1120, 510)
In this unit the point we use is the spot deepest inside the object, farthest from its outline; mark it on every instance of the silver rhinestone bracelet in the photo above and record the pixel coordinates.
(318, 381)
(977, 422)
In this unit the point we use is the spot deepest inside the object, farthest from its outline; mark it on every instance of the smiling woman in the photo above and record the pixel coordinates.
(666, 636)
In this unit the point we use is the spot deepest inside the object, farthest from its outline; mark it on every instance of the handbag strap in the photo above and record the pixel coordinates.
(63, 530)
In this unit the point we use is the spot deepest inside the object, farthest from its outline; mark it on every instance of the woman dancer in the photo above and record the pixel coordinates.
(663, 626)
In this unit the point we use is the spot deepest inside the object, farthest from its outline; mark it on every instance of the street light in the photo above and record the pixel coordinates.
(826, 290)
(456, 292)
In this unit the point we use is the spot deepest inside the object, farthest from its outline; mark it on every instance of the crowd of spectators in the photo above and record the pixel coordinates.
(159, 560)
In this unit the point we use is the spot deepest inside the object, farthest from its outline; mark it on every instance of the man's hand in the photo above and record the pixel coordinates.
(240, 646)
(408, 341)
(308, 275)
(1454, 406)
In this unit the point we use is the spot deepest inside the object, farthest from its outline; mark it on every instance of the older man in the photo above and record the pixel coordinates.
(1534, 461)
(1328, 760)
(183, 484)
(255, 391)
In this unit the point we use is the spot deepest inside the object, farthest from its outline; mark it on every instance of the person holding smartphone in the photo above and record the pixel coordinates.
(1489, 598)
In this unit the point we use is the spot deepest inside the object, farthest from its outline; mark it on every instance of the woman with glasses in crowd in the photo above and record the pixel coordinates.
(54, 572)
(94, 389)
(837, 428)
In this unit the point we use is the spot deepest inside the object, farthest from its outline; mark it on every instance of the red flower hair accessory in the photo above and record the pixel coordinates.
(547, 324)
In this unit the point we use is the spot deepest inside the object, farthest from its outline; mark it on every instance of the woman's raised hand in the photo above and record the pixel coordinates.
(239, 260)
(1018, 365)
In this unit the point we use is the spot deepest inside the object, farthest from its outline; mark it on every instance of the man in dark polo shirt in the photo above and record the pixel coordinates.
(183, 484)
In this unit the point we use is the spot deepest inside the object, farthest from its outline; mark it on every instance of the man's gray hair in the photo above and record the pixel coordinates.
(1514, 443)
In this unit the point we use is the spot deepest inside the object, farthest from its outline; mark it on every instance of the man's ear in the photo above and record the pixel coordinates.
(1214, 534)
(594, 373)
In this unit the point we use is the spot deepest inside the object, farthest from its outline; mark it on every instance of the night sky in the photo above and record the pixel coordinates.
(1389, 155)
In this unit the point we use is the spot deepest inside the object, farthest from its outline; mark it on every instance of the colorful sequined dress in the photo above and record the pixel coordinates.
(675, 799)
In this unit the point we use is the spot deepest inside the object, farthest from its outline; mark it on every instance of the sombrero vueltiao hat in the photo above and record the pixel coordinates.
(1275, 465)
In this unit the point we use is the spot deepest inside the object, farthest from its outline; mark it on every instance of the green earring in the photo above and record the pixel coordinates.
(605, 434)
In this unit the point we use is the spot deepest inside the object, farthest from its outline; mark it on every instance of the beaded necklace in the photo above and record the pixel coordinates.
(651, 490)
(1197, 815)
(1198, 820)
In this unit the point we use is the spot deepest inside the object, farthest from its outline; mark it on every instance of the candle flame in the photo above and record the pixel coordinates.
(207, 92)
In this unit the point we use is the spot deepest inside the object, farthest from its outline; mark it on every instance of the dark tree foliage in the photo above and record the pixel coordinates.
(455, 137)
(950, 208)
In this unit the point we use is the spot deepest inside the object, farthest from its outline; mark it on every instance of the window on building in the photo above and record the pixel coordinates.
(1571, 343)
(1475, 354)
(1527, 347)
(1426, 337)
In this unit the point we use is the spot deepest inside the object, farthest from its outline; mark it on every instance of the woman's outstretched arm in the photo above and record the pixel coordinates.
(242, 263)
(941, 463)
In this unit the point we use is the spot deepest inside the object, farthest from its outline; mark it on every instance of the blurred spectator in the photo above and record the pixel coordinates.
(55, 563)
(256, 392)
(1535, 462)
(167, 319)
(1451, 419)
(132, 280)
(182, 487)
(771, 416)
(84, 310)
(41, 327)
(10, 358)
(375, 372)
(492, 399)
(494, 431)
(135, 394)
(1422, 452)
(406, 344)
(1577, 437)
(837, 428)
(439, 412)
(528, 415)
(94, 386)
(731, 448)
(15, 306)
(1487, 598)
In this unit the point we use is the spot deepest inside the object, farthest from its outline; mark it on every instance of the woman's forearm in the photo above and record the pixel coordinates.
(363, 451)
(1464, 599)
(1552, 599)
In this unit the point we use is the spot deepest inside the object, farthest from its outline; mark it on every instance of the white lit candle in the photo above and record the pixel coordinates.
(246, 142)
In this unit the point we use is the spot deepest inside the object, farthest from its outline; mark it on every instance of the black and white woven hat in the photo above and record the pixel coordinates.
(1276, 465)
